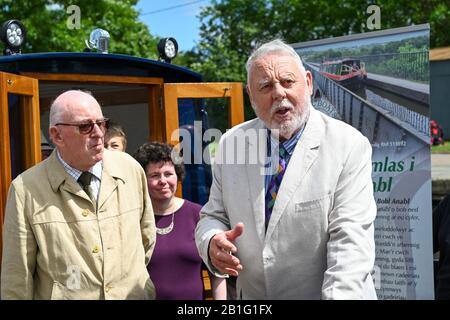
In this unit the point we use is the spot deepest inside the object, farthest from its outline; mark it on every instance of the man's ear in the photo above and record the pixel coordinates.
(309, 82)
(247, 88)
(55, 136)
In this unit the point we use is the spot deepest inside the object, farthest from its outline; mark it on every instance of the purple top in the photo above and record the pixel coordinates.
(175, 266)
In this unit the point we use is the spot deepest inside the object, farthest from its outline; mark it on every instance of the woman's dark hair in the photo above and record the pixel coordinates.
(155, 152)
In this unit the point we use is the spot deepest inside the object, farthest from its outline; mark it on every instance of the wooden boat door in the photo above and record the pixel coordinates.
(19, 131)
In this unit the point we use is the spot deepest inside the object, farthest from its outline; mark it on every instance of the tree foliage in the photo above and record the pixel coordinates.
(230, 29)
(48, 31)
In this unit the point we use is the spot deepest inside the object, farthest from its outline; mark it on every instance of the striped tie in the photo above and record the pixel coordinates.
(274, 184)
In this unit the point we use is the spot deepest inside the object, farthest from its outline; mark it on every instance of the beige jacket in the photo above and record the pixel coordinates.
(57, 247)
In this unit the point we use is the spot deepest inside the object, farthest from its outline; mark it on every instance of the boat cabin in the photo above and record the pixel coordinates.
(346, 71)
(150, 99)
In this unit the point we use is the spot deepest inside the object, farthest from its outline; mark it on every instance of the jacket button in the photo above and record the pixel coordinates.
(85, 212)
(107, 288)
(96, 249)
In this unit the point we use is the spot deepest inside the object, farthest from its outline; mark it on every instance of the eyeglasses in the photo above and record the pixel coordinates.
(87, 127)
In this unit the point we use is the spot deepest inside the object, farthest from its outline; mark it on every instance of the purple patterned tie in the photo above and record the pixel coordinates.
(274, 184)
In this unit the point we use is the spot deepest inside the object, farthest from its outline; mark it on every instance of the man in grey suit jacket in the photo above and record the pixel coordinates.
(63, 240)
(318, 242)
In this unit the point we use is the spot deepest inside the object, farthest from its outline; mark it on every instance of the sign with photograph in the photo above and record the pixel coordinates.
(378, 82)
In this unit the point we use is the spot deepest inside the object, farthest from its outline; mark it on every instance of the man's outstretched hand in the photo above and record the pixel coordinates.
(222, 248)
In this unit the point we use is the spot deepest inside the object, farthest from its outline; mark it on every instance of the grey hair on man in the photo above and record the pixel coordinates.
(274, 46)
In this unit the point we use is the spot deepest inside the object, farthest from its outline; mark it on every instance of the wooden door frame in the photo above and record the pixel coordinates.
(175, 91)
(28, 89)
(27, 85)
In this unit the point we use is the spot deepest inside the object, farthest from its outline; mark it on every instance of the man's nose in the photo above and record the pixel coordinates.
(278, 92)
(97, 131)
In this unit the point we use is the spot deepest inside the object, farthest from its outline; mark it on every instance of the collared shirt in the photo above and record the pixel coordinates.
(272, 157)
(96, 171)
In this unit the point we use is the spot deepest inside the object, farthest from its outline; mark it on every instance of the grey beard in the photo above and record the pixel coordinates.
(287, 129)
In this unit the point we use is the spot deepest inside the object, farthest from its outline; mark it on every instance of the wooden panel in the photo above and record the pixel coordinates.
(93, 78)
(207, 287)
(440, 54)
(203, 90)
(236, 106)
(27, 89)
(171, 113)
(31, 128)
(232, 90)
(174, 91)
(171, 122)
(5, 159)
(17, 84)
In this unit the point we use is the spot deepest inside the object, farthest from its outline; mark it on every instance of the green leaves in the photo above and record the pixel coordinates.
(230, 29)
(47, 30)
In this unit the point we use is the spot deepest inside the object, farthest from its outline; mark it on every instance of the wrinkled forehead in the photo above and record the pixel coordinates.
(274, 64)
(81, 108)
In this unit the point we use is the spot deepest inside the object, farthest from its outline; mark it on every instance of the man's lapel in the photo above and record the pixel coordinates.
(255, 177)
(59, 178)
(109, 184)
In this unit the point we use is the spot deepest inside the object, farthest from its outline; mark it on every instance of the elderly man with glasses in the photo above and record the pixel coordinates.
(78, 225)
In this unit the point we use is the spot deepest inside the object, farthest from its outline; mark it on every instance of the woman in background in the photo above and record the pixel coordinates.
(115, 138)
(175, 267)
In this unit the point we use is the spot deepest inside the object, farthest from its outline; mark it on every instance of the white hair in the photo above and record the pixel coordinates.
(274, 46)
(56, 114)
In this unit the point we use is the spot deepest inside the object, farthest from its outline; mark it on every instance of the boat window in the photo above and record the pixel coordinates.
(123, 104)
(336, 69)
(16, 135)
(346, 69)
(197, 116)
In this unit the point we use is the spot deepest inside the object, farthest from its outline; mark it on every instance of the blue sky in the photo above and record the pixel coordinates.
(180, 23)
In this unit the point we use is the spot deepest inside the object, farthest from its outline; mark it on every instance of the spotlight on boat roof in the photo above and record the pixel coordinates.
(13, 35)
(98, 41)
(168, 49)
